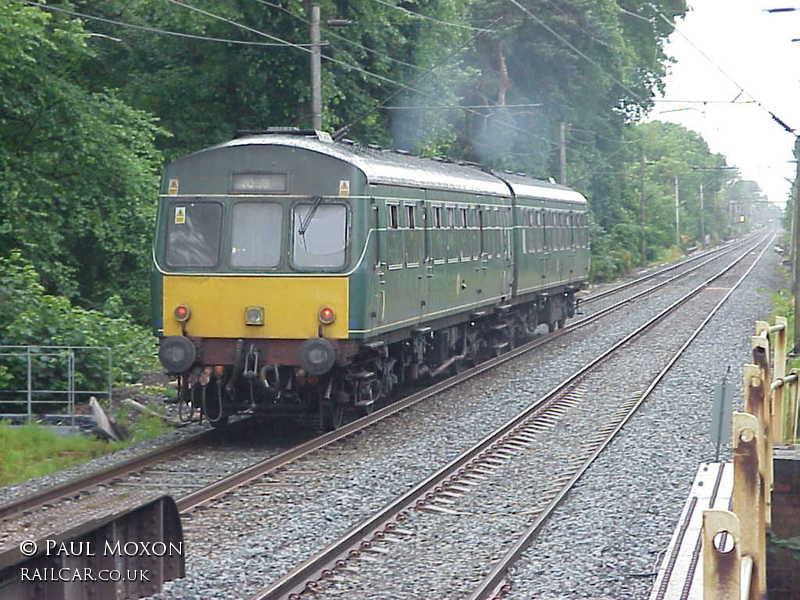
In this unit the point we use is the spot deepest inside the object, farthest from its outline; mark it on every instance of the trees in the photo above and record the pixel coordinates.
(90, 108)
(79, 166)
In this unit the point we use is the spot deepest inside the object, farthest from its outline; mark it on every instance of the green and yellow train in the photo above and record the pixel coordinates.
(298, 275)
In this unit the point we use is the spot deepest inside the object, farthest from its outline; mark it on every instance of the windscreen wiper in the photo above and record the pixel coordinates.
(310, 215)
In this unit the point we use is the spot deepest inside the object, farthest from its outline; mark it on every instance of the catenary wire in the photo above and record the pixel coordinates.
(572, 47)
(293, 45)
(417, 15)
(343, 38)
(153, 29)
(741, 89)
(583, 29)
(334, 60)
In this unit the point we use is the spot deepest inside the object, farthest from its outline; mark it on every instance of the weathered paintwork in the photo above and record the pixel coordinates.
(468, 246)
(291, 306)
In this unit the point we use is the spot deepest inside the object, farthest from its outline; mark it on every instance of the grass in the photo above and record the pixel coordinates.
(671, 254)
(32, 450)
(783, 306)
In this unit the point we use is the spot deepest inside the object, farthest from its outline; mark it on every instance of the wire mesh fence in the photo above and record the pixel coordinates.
(46, 381)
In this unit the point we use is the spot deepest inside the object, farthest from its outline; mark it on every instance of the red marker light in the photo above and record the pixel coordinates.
(326, 315)
(182, 313)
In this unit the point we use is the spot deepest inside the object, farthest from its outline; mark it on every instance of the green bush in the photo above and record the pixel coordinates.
(28, 316)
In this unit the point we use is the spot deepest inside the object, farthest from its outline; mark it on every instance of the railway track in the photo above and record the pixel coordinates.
(440, 492)
(272, 464)
(135, 471)
(660, 272)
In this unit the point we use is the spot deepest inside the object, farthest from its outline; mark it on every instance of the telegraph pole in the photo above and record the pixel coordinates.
(563, 152)
(677, 215)
(702, 220)
(316, 70)
(642, 248)
(796, 245)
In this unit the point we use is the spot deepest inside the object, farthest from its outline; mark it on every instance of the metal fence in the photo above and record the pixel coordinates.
(60, 364)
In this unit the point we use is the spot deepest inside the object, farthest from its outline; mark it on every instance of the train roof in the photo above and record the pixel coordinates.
(527, 187)
(389, 167)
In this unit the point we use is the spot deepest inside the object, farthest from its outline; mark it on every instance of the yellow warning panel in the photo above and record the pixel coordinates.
(291, 305)
(172, 188)
(180, 215)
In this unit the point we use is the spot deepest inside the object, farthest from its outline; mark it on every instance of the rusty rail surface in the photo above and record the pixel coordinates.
(306, 577)
(714, 252)
(223, 486)
(75, 486)
(494, 585)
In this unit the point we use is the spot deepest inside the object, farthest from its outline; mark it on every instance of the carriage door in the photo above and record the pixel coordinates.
(414, 247)
(546, 218)
(507, 249)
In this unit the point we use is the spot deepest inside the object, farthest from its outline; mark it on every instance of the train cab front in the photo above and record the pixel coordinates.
(266, 344)
(254, 280)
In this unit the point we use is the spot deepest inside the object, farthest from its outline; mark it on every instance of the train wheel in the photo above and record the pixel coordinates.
(551, 326)
(332, 414)
(562, 322)
(370, 392)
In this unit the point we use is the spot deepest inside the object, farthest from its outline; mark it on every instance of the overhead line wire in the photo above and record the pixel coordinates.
(341, 37)
(417, 15)
(651, 20)
(329, 58)
(742, 90)
(572, 47)
(152, 29)
(579, 26)
(293, 45)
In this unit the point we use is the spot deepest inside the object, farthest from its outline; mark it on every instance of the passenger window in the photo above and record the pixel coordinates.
(394, 218)
(193, 234)
(410, 216)
(320, 236)
(256, 235)
(451, 220)
(437, 217)
(464, 218)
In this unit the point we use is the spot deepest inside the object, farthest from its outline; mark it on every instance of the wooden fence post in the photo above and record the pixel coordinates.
(721, 565)
(749, 495)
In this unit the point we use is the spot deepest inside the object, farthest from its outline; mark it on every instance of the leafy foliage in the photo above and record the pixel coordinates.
(79, 165)
(89, 108)
(37, 318)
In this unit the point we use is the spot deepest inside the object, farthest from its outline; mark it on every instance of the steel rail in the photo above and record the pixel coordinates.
(243, 477)
(715, 252)
(494, 586)
(74, 486)
(77, 485)
(306, 576)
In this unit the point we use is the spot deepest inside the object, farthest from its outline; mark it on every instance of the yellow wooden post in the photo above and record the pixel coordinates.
(757, 377)
(748, 495)
(721, 570)
(791, 409)
(776, 426)
(780, 346)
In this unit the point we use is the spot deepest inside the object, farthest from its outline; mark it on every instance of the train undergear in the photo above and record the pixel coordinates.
(371, 376)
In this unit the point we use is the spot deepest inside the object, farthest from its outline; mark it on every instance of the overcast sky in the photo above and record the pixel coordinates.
(754, 49)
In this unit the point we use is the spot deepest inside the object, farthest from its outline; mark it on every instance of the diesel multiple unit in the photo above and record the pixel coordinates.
(305, 276)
